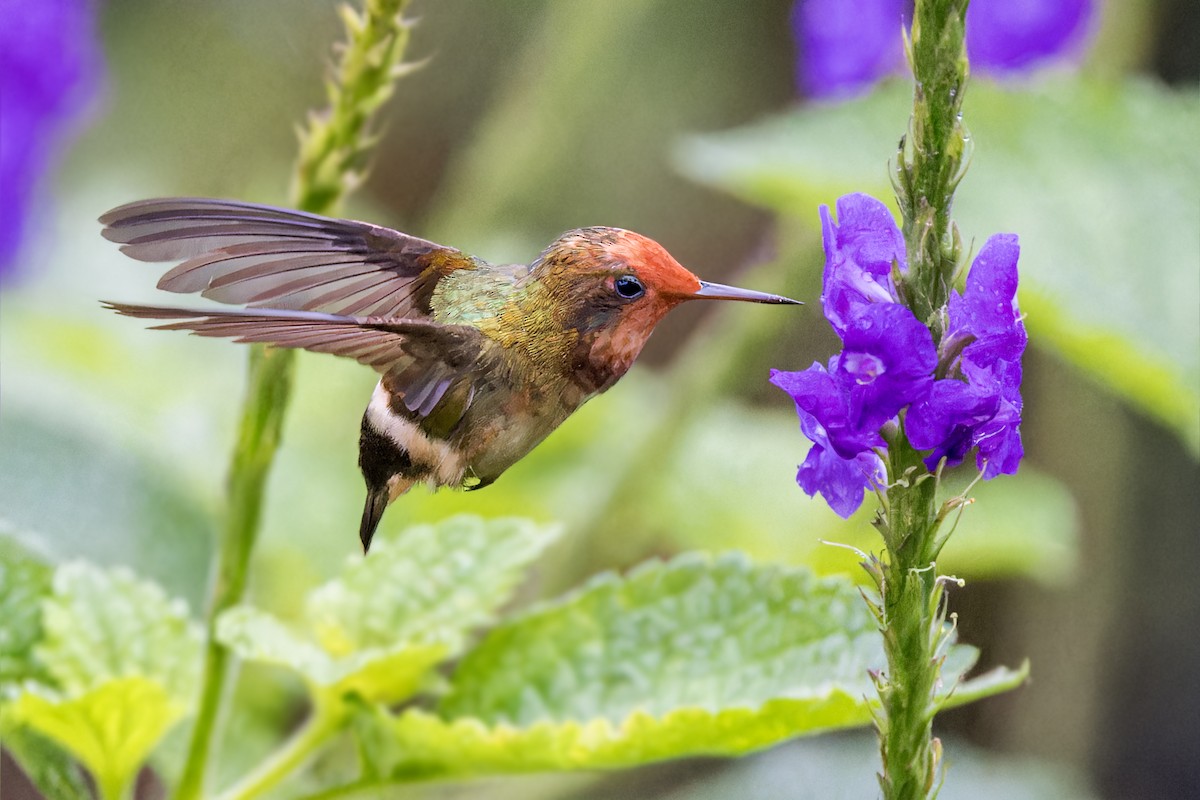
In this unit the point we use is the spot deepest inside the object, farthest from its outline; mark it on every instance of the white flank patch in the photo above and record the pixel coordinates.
(445, 462)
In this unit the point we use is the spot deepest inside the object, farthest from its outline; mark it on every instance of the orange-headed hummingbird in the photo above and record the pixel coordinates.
(479, 362)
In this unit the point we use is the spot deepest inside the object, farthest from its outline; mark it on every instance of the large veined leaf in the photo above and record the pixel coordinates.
(695, 656)
(121, 662)
(379, 627)
(1101, 182)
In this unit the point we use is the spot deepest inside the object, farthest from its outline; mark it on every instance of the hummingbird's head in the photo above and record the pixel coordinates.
(612, 286)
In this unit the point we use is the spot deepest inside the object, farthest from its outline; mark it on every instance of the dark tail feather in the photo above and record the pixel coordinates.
(377, 503)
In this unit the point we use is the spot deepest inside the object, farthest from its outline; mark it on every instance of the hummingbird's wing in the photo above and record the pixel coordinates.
(432, 372)
(418, 346)
(261, 256)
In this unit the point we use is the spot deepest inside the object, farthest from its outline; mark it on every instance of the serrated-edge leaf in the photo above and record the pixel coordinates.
(379, 674)
(111, 728)
(419, 743)
(122, 657)
(721, 628)
(429, 584)
(427, 744)
(476, 732)
(105, 624)
(380, 627)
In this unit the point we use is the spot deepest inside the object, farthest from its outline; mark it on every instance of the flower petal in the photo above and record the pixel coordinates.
(846, 47)
(944, 421)
(841, 481)
(1005, 36)
(860, 250)
(887, 363)
(49, 61)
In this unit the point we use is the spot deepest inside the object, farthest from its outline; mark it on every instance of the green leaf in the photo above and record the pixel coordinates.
(1101, 182)
(383, 674)
(691, 657)
(46, 764)
(24, 581)
(429, 583)
(692, 632)
(111, 728)
(122, 658)
(103, 625)
(389, 618)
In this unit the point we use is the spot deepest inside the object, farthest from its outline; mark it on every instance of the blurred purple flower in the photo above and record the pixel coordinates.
(49, 69)
(889, 360)
(1005, 36)
(847, 47)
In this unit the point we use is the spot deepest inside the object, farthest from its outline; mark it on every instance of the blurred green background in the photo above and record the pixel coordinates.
(530, 117)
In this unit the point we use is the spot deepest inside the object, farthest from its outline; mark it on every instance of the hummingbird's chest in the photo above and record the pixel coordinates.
(509, 419)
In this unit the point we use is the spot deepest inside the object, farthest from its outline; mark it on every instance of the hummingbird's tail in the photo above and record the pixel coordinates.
(377, 503)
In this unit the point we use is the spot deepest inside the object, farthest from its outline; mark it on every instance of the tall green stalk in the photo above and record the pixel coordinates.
(910, 606)
(334, 148)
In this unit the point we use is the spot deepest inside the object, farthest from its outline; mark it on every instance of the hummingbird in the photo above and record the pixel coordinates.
(479, 362)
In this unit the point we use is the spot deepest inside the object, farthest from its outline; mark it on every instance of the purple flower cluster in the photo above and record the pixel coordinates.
(847, 47)
(961, 394)
(49, 68)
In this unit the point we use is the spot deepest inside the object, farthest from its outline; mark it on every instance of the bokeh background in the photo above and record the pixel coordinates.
(530, 117)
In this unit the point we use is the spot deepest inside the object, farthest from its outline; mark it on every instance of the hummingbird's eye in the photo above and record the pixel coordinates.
(629, 287)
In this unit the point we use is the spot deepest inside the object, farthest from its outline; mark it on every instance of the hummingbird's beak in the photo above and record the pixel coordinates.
(717, 291)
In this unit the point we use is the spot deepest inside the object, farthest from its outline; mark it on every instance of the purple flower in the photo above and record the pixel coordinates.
(847, 47)
(823, 408)
(946, 419)
(886, 363)
(860, 251)
(987, 312)
(1005, 36)
(49, 62)
(979, 404)
(889, 361)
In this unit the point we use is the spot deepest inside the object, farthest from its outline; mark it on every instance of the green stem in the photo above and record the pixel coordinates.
(910, 603)
(334, 147)
(911, 600)
(930, 165)
(326, 721)
(268, 386)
